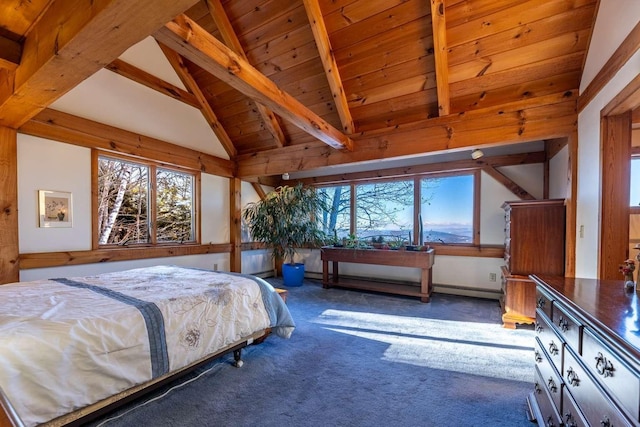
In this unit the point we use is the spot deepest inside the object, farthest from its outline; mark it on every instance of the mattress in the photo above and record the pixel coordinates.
(70, 342)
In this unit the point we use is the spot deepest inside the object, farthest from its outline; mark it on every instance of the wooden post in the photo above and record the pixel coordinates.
(235, 232)
(616, 170)
(9, 251)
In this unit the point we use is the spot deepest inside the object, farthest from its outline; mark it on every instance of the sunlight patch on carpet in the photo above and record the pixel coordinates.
(464, 347)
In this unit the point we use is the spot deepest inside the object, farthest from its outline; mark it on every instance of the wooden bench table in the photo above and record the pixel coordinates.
(398, 258)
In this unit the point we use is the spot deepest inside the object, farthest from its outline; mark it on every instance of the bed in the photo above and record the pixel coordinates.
(70, 346)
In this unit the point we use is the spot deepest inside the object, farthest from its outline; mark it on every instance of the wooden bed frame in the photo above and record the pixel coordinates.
(9, 417)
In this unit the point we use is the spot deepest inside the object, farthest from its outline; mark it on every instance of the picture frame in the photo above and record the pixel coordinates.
(55, 209)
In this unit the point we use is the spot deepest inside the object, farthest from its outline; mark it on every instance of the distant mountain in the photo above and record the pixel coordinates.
(448, 237)
(453, 234)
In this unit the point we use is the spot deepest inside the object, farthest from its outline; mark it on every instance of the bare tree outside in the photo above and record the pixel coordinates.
(382, 208)
(335, 219)
(124, 215)
(174, 201)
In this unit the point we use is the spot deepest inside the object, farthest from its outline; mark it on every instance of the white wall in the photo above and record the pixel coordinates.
(616, 18)
(559, 184)
(50, 165)
(254, 262)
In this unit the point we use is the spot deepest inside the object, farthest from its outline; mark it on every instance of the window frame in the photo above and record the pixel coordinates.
(417, 178)
(153, 167)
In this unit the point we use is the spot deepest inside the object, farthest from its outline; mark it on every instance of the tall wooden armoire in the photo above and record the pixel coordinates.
(534, 244)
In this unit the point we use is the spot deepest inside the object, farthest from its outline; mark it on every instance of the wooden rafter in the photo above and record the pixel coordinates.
(216, 10)
(259, 190)
(70, 129)
(438, 23)
(73, 40)
(508, 183)
(323, 44)
(177, 62)
(623, 53)
(10, 53)
(194, 43)
(134, 73)
(553, 146)
(517, 122)
(457, 165)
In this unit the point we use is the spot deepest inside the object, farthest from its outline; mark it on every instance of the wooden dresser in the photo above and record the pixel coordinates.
(534, 244)
(587, 353)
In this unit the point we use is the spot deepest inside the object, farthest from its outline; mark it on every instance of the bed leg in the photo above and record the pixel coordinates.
(237, 358)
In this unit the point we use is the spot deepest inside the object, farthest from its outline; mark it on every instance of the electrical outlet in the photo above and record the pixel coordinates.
(492, 277)
(215, 266)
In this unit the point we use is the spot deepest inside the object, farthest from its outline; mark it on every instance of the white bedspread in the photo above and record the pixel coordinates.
(68, 343)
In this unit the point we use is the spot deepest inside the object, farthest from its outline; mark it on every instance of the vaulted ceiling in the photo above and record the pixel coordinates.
(295, 85)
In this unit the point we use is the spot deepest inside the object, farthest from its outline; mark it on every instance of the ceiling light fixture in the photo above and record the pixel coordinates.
(476, 154)
(285, 176)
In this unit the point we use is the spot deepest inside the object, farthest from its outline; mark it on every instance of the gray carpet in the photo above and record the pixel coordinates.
(361, 359)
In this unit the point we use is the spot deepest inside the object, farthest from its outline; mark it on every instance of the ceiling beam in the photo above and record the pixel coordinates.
(194, 43)
(259, 190)
(623, 53)
(177, 62)
(508, 183)
(509, 124)
(70, 129)
(321, 36)
(553, 146)
(216, 10)
(403, 171)
(73, 40)
(438, 24)
(10, 53)
(134, 73)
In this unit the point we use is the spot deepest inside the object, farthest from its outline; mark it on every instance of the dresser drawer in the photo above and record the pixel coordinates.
(568, 327)
(598, 410)
(544, 303)
(550, 377)
(615, 375)
(571, 414)
(549, 339)
(548, 410)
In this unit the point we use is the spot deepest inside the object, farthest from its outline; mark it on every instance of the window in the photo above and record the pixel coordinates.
(336, 220)
(446, 211)
(634, 195)
(128, 215)
(385, 209)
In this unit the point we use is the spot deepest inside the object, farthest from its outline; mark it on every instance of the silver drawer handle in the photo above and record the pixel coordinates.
(550, 422)
(553, 349)
(606, 422)
(572, 377)
(552, 385)
(537, 356)
(539, 328)
(563, 324)
(571, 422)
(603, 366)
(540, 303)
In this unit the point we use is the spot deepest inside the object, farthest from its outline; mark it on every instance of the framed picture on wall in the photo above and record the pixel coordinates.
(54, 208)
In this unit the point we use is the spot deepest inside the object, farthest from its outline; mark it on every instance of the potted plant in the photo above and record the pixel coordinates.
(285, 221)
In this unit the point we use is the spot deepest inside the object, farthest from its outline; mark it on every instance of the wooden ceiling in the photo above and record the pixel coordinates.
(291, 85)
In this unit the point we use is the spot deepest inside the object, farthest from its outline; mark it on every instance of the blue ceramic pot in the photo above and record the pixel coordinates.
(293, 274)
